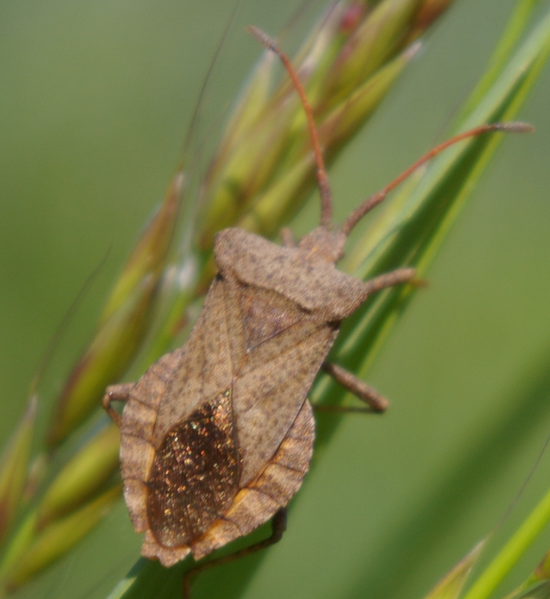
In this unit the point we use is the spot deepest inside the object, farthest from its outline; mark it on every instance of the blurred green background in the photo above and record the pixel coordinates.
(94, 102)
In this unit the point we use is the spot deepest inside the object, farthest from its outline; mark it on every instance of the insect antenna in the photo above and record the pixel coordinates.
(367, 205)
(322, 178)
(321, 174)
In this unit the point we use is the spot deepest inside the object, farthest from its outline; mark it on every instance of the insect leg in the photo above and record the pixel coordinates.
(287, 238)
(389, 279)
(366, 393)
(278, 527)
(116, 393)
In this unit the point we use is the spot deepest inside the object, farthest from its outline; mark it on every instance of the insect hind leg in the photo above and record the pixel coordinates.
(278, 527)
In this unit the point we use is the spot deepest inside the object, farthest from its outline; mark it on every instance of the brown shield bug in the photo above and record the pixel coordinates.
(217, 436)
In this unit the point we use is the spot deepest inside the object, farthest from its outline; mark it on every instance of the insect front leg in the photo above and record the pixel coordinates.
(366, 393)
(287, 237)
(389, 279)
(278, 527)
(116, 393)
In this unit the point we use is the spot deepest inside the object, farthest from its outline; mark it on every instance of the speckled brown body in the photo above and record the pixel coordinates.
(217, 436)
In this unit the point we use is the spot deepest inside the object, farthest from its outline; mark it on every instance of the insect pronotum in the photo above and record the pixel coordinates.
(217, 436)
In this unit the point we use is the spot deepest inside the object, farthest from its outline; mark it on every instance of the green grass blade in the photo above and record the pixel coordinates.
(512, 551)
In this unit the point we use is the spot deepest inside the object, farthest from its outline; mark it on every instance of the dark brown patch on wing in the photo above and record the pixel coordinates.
(195, 474)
